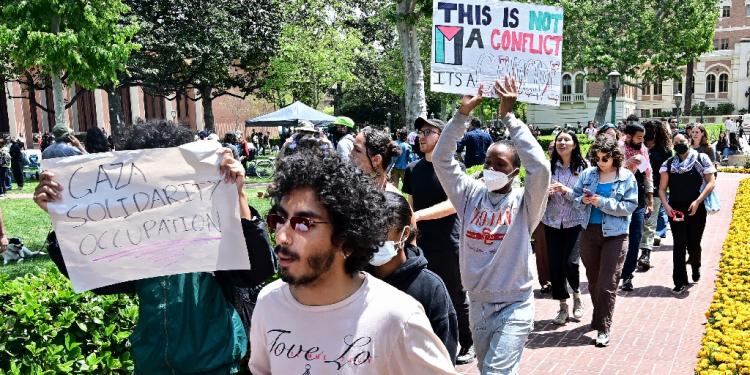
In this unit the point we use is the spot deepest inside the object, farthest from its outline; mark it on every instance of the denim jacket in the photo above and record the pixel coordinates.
(617, 209)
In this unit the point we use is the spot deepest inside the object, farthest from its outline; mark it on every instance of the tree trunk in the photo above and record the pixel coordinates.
(601, 107)
(689, 89)
(337, 100)
(208, 110)
(116, 114)
(415, 102)
(57, 88)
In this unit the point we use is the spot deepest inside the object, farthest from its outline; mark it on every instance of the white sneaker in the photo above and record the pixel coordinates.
(578, 307)
(562, 315)
(602, 339)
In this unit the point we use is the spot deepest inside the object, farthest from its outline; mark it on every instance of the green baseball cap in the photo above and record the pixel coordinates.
(346, 121)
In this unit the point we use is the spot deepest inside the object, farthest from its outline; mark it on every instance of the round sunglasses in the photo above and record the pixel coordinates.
(300, 224)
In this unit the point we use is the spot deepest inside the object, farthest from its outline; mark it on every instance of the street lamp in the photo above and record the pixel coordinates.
(703, 105)
(390, 127)
(614, 88)
(678, 103)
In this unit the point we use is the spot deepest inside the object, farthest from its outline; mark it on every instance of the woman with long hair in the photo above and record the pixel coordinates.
(372, 153)
(722, 143)
(562, 224)
(684, 174)
(699, 142)
(657, 139)
(95, 141)
(607, 193)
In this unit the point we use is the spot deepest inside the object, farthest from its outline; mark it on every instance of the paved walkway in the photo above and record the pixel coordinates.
(653, 332)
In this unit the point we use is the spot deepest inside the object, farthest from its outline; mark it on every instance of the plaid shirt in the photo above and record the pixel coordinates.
(560, 211)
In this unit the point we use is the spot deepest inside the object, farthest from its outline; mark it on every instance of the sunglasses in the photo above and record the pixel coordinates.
(673, 122)
(596, 159)
(426, 133)
(300, 224)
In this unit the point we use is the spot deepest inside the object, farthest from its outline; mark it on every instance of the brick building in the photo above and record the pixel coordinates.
(20, 117)
(721, 76)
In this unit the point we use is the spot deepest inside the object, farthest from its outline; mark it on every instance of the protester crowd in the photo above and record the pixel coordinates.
(373, 281)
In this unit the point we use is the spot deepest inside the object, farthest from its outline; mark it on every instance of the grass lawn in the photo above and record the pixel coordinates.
(28, 187)
(26, 220)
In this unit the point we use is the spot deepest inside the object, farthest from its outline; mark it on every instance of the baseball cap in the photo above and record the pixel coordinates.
(346, 121)
(421, 121)
(61, 132)
(213, 137)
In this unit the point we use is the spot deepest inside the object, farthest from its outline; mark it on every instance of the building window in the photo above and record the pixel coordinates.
(711, 83)
(716, 44)
(657, 112)
(725, 43)
(724, 83)
(657, 88)
(579, 84)
(747, 10)
(725, 11)
(567, 89)
(646, 89)
(677, 87)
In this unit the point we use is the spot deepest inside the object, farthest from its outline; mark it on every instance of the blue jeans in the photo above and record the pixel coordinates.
(661, 224)
(500, 331)
(728, 152)
(634, 241)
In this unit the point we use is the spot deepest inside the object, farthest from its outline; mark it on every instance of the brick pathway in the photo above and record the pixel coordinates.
(652, 333)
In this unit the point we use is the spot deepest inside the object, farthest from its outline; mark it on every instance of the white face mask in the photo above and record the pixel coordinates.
(495, 180)
(386, 252)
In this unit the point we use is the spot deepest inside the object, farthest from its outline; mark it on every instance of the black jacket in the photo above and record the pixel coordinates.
(414, 279)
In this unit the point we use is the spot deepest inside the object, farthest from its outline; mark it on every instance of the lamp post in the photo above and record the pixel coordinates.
(614, 88)
(703, 105)
(678, 103)
(390, 127)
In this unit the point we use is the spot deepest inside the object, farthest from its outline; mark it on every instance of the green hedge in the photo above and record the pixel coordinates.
(49, 329)
(713, 131)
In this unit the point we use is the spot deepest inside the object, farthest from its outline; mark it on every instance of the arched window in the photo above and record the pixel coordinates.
(724, 83)
(579, 84)
(710, 83)
(566, 89)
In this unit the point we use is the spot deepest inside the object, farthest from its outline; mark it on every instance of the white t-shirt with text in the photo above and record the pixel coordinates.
(378, 330)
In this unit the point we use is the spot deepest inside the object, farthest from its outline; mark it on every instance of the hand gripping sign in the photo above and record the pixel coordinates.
(477, 41)
(130, 215)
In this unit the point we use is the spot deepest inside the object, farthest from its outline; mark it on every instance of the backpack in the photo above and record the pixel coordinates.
(4, 158)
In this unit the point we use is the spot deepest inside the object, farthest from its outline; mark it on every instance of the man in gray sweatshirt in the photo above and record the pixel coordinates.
(496, 226)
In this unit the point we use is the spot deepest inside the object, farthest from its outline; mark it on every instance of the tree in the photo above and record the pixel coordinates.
(408, 13)
(86, 42)
(644, 40)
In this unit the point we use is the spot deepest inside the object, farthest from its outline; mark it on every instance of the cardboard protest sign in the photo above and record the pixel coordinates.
(130, 215)
(478, 41)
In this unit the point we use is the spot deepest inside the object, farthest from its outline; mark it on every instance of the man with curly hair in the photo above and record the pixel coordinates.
(325, 315)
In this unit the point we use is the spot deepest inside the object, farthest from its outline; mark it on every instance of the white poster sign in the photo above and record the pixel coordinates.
(478, 41)
(130, 215)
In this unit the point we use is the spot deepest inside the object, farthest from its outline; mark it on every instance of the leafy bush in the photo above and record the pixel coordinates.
(49, 329)
(725, 109)
(713, 131)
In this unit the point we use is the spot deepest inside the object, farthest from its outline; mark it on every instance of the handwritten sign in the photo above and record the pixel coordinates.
(478, 41)
(129, 215)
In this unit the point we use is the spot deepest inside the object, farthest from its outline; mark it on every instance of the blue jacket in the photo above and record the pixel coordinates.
(476, 142)
(403, 160)
(617, 209)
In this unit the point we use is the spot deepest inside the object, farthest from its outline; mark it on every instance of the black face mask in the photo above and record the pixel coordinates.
(681, 148)
(649, 136)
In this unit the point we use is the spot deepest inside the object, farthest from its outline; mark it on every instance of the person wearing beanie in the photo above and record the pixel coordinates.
(65, 144)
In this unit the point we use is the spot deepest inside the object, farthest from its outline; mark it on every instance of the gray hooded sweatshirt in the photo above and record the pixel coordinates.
(495, 237)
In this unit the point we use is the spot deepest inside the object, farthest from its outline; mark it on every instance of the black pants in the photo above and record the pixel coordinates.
(3, 179)
(445, 265)
(564, 256)
(17, 167)
(687, 237)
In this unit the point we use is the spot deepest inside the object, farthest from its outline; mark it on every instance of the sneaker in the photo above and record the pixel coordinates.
(562, 315)
(678, 289)
(602, 339)
(696, 273)
(645, 259)
(627, 284)
(19, 188)
(465, 356)
(578, 307)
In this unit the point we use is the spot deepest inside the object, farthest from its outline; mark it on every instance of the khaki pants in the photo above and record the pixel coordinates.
(603, 258)
(649, 227)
